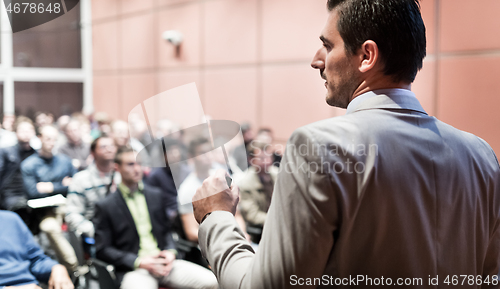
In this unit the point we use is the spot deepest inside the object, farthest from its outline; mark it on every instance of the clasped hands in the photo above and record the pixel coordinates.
(158, 265)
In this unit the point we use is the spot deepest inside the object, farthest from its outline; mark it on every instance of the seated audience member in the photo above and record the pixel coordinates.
(198, 149)
(22, 262)
(265, 135)
(240, 153)
(132, 233)
(11, 180)
(256, 185)
(91, 185)
(8, 121)
(162, 177)
(101, 126)
(120, 133)
(75, 148)
(85, 126)
(138, 129)
(45, 174)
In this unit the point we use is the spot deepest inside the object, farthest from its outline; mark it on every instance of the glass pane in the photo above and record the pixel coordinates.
(52, 44)
(56, 98)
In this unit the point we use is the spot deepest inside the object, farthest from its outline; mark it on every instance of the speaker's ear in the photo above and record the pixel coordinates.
(370, 56)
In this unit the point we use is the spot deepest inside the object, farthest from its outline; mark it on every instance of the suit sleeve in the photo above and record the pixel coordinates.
(491, 266)
(104, 241)
(298, 233)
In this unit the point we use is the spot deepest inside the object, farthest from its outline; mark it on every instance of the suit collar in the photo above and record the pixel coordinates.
(386, 99)
(126, 191)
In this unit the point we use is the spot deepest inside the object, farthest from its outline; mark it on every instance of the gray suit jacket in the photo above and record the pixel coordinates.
(384, 191)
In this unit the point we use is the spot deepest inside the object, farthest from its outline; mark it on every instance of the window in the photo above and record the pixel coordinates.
(56, 98)
(48, 67)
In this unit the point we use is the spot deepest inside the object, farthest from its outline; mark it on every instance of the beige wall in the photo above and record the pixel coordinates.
(250, 60)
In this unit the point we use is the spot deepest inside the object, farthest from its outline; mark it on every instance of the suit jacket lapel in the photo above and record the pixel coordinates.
(122, 205)
(151, 202)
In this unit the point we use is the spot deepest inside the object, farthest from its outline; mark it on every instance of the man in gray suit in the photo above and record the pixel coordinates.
(384, 195)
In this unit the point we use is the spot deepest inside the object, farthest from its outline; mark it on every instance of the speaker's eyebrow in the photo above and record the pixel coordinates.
(323, 38)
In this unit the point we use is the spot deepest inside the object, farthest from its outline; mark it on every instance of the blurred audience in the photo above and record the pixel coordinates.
(102, 125)
(91, 185)
(84, 126)
(265, 135)
(7, 138)
(75, 148)
(8, 121)
(12, 192)
(45, 174)
(139, 129)
(163, 176)
(256, 186)
(203, 161)
(43, 119)
(139, 245)
(136, 237)
(22, 263)
(240, 153)
(168, 128)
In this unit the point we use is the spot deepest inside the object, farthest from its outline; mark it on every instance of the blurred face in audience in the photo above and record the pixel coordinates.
(73, 132)
(262, 159)
(25, 131)
(105, 150)
(41, 120)
(120, 133)
(264, 137)
(8, 121)
(48, 137)
(129, 169)
(63, 120)
(173, 154)
(203, 161)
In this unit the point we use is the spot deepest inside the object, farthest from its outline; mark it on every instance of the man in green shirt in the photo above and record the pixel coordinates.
(133, 234)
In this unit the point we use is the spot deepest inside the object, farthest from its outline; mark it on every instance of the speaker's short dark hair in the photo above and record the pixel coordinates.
(395, 25)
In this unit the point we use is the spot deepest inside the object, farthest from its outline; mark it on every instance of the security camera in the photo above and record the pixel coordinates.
(173, 36)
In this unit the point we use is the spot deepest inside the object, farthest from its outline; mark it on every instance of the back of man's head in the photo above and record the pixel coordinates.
(395, 25)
